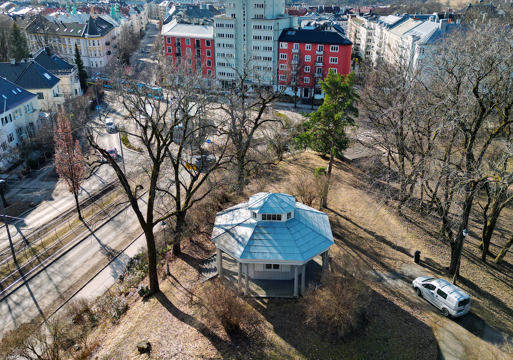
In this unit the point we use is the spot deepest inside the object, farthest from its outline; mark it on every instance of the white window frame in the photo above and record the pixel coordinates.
(308, 47)
(307, 69)
(333, 60)
(334, 48)
(284, 45)
(283, 56)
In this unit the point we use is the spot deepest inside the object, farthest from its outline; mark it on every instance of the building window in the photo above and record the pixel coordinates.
(188, 51)
(308, 58)
(169, 49)
(306, 81)
(289, 215)
(259, 6)
(272, 266)
(308, 46)
(333, 60)
(296, 47)
(209, 63)
(187, 41)
(283, 56)
(283, 78)
(209, 53)
(189, 61)
(209, 72)
(10, 137)
(334, 70)
(283, 45)
(271, 217)
(307, 68)
(207, 43)
(320, 47)
(254, 214)
(168, 40)
(40, 95)
(334, 48)
(283, 66)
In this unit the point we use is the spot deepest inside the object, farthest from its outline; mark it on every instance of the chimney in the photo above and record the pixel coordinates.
(13, 61)
(443, 25)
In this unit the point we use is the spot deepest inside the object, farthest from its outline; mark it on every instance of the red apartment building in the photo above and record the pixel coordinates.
(191, 44)
(306, 55)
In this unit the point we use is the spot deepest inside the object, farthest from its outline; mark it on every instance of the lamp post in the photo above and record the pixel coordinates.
(163, 223)
(2, 187)
(465, 234)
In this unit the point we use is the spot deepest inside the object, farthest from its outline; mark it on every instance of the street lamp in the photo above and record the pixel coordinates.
(465, 234)
(3, 184)
(163, 223)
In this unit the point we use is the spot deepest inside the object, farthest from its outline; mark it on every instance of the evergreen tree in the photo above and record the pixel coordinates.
(82, 73)
(18, 45)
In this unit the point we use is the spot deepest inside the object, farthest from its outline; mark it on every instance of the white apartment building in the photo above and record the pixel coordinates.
(92, 34)
(397, 37)
(18, 118)
(247, 36)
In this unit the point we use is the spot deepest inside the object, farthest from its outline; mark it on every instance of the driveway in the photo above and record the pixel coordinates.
(453, 335)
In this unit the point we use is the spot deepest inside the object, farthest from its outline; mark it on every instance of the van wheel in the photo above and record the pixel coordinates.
(445, 312)
(419, 293)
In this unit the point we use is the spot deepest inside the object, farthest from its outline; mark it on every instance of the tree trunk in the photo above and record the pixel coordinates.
(152, 261)
(241, 176)
(488, 229)
(324, 197)
(75, 194)
(177, 239)
(3, 198)
(498, 259)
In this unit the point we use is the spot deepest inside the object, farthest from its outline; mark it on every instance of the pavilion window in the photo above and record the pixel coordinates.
(272, 266)
(289, 215)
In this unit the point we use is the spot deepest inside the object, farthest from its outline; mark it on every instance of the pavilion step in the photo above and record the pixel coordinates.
(209, 269)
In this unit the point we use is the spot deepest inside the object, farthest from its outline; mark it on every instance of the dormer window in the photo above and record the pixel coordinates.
(271, 217)
(289, 215)
(254, 214)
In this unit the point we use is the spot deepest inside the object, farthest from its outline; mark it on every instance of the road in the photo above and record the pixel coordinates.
(51, 285)
(139, 60)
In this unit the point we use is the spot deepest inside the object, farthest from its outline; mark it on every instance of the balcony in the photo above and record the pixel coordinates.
(320, 64)
(197, 46)
(178, 54)
(178, 44)
(295, 51)
(318, 75)
(319, 52)
(108, 52)
(294, 62)
(107, 43)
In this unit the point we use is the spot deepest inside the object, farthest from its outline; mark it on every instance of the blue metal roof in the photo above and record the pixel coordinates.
(298, 239)
(271, 203)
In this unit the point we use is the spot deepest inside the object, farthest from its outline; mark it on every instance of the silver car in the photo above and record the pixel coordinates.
(450, 299)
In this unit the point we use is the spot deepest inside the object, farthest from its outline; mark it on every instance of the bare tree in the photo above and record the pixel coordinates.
(174, 165)
(248, 107)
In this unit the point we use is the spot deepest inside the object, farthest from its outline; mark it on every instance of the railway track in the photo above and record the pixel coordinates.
(40, 232)
(33, 257)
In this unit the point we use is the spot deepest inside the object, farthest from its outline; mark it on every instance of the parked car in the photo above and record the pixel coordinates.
(448, 298)
(142, 50)
(147, 51)
(109, 124)
(113, 152)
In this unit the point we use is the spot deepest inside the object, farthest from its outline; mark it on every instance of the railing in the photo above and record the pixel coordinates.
(295, 62)
(319, 52)
(295, 51)
(178, 44)
(178, 54)
(319, 64)
(318, 75)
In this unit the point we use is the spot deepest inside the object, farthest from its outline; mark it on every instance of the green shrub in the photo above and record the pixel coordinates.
(143, 291)
(320, 171)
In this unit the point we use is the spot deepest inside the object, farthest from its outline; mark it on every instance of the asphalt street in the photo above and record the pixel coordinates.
(49, 286)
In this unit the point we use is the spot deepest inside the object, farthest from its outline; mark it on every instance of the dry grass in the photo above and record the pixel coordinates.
(377, 240)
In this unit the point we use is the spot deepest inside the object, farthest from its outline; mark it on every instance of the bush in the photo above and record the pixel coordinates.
(229, 309)
(337, 307)
(111, 305)
(143, 291)
(126, 141)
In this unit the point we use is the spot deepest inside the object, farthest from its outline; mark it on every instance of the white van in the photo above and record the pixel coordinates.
(450, 299)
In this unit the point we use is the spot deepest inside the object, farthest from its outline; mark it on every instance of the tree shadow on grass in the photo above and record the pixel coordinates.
(385, 333)
(217, 342)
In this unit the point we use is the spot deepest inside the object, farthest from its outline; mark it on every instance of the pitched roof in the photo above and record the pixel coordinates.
(77, 25)
(51, 62)
(404, 27)
(305, 235)
(12, 95)
(29, 75)
(271, 203)
(314, 36)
